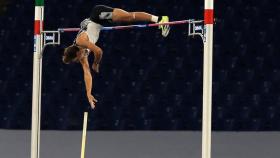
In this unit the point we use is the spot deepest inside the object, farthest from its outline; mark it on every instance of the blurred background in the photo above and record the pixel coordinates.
(146, 82)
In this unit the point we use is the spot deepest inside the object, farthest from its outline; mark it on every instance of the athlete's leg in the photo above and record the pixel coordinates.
(120, 15)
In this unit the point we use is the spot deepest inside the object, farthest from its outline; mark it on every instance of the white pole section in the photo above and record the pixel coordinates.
(84, 136)
(207, 79)
(37, 72)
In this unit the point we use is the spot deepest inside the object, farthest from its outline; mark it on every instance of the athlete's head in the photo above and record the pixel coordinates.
(70, 54)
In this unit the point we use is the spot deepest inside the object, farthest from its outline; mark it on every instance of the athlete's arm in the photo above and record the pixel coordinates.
(97, 55)
(88, 81)
(96, 51)
(84, 42)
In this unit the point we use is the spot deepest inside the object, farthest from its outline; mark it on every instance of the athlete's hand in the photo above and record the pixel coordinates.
(95, 67)
(91, 100)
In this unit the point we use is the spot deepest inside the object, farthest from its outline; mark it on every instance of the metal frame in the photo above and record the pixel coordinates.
(51, 38)
(196, 28)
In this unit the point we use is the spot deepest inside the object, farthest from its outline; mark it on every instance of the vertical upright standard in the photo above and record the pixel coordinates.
(207, 78)
(37, 79)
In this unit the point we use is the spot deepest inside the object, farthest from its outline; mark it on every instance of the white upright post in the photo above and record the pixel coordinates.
(37, 79)
(207, 79)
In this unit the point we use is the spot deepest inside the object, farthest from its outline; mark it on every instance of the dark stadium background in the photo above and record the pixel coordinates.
(146, 82)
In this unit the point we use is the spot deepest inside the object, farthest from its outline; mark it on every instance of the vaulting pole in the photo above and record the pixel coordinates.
(207, 78)
(84, 135)
(37, 79)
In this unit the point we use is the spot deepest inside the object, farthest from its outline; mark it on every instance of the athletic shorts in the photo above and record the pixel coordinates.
(102, 15)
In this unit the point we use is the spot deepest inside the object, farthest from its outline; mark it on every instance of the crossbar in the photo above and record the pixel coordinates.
(195, 27)
(135, 26)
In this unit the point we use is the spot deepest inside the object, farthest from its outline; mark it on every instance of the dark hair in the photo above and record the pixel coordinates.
(70, 53)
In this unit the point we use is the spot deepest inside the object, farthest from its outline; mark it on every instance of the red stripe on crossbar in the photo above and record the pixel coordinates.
(37, 27)
(208, 16)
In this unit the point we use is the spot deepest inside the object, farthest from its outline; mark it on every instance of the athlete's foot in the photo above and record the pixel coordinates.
(164, 28)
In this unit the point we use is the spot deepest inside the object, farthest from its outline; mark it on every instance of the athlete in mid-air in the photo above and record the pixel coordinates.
(84, 44)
